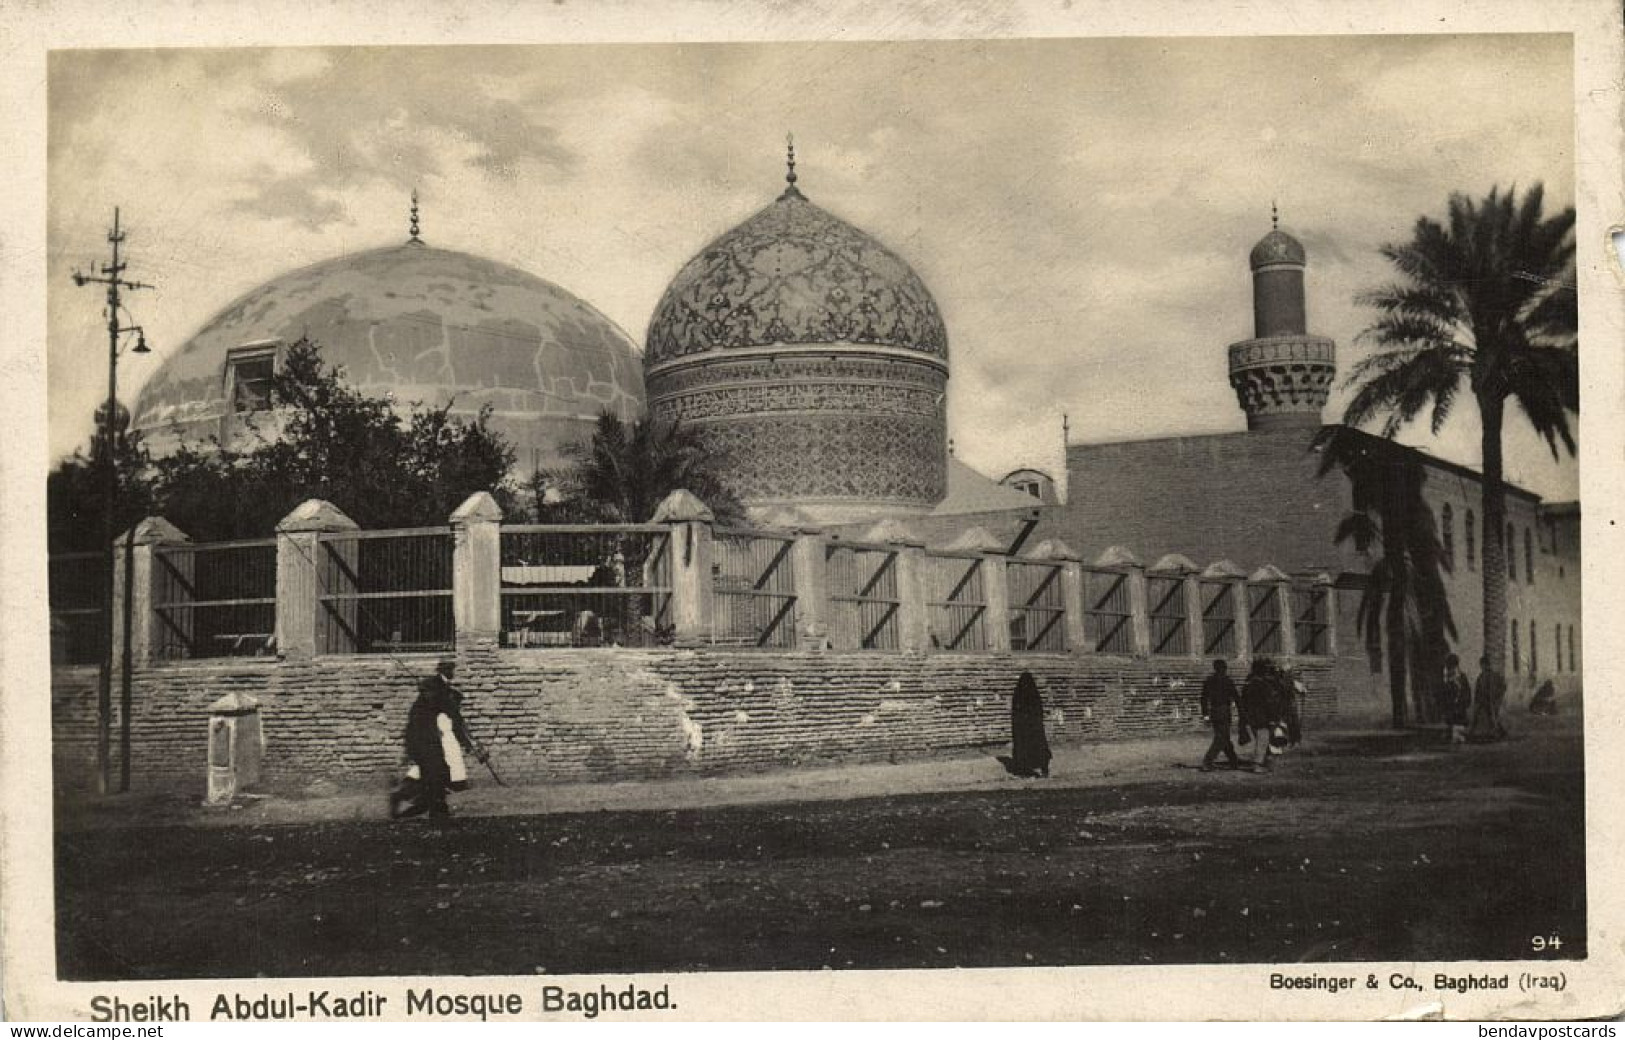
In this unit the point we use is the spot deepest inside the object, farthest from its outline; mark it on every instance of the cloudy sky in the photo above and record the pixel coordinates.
(1081, 209)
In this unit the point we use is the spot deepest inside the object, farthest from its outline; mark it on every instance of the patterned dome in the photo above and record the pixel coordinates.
(1277, 247)
(416, 325)
(793, 274)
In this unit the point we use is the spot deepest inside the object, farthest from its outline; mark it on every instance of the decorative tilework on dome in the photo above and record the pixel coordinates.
(794, 274)
(1277, 247)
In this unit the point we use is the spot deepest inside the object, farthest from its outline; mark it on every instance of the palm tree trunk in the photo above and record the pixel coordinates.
(1495, 528)
(1397, 653)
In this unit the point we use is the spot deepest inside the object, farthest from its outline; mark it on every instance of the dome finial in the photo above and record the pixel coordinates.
(1275, 217)
(790, 168)
(414, 224)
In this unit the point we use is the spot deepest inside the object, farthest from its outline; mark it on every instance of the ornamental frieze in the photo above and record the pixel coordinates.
(1283, 349)
(796, 397)
(840, 368)
(832, 456)
(794, 274)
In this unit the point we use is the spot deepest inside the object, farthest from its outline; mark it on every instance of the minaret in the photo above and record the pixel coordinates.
(1282, 375)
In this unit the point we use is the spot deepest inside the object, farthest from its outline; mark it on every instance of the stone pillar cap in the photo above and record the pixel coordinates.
(892, 531)
(314, 514)
(1269, 572)
(1175, 563)
(1223, 569)
(682, 507)
(154, 530)
(479, 507)
(975, 539)
(1117, 556)
(1052, 549)
(234, 703)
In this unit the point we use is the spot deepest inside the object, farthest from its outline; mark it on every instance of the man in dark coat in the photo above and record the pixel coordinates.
(1218, 699)
(1260, 711)
(1488, 696)
(436, 697)
(1458, 700)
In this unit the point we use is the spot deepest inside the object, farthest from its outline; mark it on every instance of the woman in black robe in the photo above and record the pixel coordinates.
(1029, 747)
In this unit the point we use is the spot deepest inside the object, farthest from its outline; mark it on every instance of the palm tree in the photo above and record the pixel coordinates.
(627, 469)
(1404, 607)
(1485, 300)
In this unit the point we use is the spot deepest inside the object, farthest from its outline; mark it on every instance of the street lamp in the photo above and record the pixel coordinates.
(110, 277)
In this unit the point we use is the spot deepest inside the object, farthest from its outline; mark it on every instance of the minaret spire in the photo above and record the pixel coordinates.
(790, 169)
(414, 224)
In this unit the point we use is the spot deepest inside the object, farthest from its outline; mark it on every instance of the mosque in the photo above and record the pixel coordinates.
(815, 361)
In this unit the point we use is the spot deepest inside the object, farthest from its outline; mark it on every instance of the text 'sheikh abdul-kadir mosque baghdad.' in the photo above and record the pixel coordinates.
(817, 360)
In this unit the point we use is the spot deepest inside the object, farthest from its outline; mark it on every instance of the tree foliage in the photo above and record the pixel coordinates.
(324, 439)
(627, 469)
(1404, 608)
(1484, 301)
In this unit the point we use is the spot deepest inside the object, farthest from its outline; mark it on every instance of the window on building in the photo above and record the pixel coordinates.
(1472, 537)
(1510, 547)
(1572, 666)
(1447, 537)
(1528, 556)
(1557, 647)
(249, 371)
(1030, 487)
(1517, 660)
(1534, 650)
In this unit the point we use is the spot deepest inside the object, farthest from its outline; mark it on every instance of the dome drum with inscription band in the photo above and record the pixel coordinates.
(1283, 375)
(812, 359)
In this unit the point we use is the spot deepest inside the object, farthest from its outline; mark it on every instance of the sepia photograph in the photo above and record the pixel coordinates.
(557, 511)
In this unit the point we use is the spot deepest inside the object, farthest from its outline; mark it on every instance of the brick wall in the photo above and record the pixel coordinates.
(562, 715)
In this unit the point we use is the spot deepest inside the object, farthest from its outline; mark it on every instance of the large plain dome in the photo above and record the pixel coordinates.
(414, 324)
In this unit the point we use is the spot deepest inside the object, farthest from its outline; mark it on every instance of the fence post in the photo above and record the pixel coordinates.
(1137, 603)
(913, 616)
(809, 569)
(692, 592)
(153, 531)
(298, 590)
(996, 589)
(1330, 591)
(1193, 613)
(476, 571)
(1289, 621)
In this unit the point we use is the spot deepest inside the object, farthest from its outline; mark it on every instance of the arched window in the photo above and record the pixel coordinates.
(1472, 541)
(1447, 537)
(1517, 659)
(1528, 557)
(1510, 547)
(1557, 647)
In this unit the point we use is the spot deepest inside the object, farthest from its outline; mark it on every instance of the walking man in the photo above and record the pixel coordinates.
(435, 720)
(1218, 698)
(1260, 712)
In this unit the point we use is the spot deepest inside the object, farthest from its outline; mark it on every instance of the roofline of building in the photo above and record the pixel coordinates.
(1429, 459)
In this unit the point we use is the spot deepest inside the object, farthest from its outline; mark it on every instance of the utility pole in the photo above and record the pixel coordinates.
(111, 277)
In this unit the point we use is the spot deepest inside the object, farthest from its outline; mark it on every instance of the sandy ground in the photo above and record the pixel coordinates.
(1361, 845)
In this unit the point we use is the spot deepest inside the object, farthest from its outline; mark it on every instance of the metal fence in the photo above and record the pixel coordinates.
(1037, 606)
(1218, 618)
(1313, 624)
(1108, 615)
(384, 591)
(78, 635)
(586, 586)
(214, 600)
(1170, 620)
(753, 588)
(956, 599)
(1264, 618)
(863, 600)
